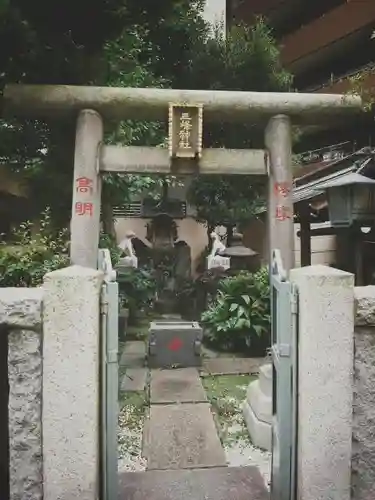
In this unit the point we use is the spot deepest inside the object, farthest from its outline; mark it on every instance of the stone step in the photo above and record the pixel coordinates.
(134, 380)
(181, 436)
(176, 386)
(230, 366)
(222, 483)
(259, 402)
(265, 379)
(134, 354)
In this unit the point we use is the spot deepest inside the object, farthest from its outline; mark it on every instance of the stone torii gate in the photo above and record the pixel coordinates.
(276, 112)
(184, 110)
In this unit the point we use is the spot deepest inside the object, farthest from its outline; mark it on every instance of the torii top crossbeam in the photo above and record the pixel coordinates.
(41, 101)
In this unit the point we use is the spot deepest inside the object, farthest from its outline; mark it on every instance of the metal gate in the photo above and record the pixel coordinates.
(109, 378)
(284, 395)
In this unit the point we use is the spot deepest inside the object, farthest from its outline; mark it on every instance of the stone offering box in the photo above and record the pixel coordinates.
(174, 344)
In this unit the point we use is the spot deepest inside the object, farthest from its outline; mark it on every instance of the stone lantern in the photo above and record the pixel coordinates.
(351, 199)
(241, 257)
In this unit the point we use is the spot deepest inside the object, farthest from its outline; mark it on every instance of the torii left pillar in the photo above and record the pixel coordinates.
(85, 221)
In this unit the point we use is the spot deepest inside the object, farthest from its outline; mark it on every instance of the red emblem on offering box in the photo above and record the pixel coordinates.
(175, 344)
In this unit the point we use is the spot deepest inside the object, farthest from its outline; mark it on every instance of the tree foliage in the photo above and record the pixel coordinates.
(102, 42)
(247, 59)
(138, 43)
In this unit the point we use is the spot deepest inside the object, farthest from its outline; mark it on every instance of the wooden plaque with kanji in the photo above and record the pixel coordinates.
(185, 130)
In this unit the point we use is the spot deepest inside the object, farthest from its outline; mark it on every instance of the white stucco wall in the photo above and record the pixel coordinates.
(215, 11)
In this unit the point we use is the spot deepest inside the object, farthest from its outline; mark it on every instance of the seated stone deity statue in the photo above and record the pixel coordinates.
(126, 244)
(218, 246)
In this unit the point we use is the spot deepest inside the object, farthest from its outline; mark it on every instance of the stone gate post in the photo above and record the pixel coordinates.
(71, 357)
(325, 382)
(85, 221)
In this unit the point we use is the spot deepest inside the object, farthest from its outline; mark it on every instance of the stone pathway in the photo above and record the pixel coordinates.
(231, 366)
(218, 483)
(176, 386)
(184, 455)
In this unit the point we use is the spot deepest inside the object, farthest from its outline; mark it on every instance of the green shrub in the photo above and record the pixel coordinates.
(137, 290)
(29, 258)
(238, 318)
(109, 242)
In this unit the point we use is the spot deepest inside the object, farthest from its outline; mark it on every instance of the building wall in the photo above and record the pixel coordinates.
(215, 12)
(323, 248)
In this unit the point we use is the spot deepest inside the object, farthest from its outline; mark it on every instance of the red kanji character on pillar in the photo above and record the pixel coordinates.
(83, 208)
(282, 189)
(283, 213)
(84, 185)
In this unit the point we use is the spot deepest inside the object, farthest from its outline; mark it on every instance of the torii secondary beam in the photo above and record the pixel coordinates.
(148, 160)
(151, 104)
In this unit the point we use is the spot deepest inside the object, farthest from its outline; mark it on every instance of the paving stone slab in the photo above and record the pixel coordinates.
(134, 354)
(182, 436)
(176, 386)
(222, 483)
(134, 380)
(231, 366)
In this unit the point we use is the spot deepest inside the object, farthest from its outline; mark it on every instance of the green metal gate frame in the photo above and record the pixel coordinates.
(284, 333)
(109, 378)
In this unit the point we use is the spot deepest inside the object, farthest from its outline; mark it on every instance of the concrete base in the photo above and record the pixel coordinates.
(257, 408)
(127, 262)
(260, 432)
(259, 402)
(218, 261)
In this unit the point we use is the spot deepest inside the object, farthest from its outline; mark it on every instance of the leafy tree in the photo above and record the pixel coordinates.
(247, 59)
(101, 42)
(118, 42)
(226, 200)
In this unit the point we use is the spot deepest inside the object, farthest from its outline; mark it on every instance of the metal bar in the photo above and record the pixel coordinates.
(103, 395)
(152, 104)
(112, 392)
(294, 298)
(283, 353)
(146, 160)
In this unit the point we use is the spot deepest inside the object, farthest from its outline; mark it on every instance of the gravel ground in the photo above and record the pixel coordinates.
(227, 393)
(131, 418)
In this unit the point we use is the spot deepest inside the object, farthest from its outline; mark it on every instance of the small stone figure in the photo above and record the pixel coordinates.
(215, 258)
(218, 246)
(126, 245)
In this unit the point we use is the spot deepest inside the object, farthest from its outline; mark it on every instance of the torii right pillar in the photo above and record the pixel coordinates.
(278, 141)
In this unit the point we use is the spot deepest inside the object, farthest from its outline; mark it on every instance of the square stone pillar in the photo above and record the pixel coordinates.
(71, 358)
(325, 382)
(21, 318)
(363, 460)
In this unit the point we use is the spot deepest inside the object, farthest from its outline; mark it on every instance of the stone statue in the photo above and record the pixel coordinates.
(218, 246)
(215, 258)
(126, 245)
